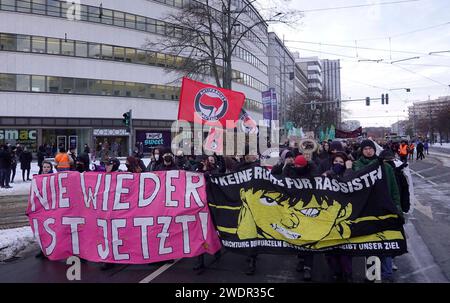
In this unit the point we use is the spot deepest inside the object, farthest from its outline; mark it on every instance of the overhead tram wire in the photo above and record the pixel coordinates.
(366, 48)
(355, 6)
(386, 63)
(397, 35)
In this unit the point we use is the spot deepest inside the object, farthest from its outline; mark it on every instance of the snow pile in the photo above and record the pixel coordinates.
(444, 145)
(14, 240)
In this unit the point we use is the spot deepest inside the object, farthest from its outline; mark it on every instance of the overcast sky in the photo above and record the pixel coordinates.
(371, 27)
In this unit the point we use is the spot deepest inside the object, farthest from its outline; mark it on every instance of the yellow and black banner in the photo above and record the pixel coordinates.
(258, 212)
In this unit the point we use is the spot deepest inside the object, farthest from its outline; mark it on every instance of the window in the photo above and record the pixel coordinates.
(94, 50)
(67, 85)
(38, 44)
(81, 49)
(24, 6)
(107, 16)
(7, 82)
(23, 43)
(107, 52)
(160, 27)
(8, 42)
(68, 47)
(140, 23)
(141, 90)
(8, 5)
(94, 87)
(94, 14)
(23, 83)
(119, 18)
(38, 7)
(119, 53)
(84, 13)
(130, 55)
(119, 89)
(53, 46)
(106, 88)
(141, 57)
(151, 25)
(53, 8)
(178, 3)
(130, 21)
(81, 86)
(53, 85)
(160, 59)
(130, 89)
(37, 83)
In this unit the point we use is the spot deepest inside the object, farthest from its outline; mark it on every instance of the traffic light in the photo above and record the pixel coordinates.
(127, 120)
(291, 76)
(382, 98)
(387, 99)
(368, 101)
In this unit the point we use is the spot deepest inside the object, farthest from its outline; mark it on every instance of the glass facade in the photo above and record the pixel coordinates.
(55, 46)
(55, 8)
(81, 86)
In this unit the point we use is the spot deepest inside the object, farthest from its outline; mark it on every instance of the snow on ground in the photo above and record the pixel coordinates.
(444, 145)
(12, 241)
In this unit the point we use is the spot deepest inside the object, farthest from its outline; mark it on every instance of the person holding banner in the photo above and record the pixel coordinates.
(286, 159)
(47, 168)
(155, 160)
(341, 265)
(367, 158)
(168, 162)
(302, 168)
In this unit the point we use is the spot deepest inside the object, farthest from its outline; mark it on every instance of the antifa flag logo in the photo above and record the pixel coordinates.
(211, 104)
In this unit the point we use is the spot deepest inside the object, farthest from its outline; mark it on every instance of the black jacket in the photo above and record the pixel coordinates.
(162, 167)
(310, 170)
(5, 159)
(25, 160)
(403, 186)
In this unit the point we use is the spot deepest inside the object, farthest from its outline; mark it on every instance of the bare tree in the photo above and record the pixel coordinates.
(312, 115)
(206, 35)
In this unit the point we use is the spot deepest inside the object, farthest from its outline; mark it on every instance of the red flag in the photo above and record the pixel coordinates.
(212, 105)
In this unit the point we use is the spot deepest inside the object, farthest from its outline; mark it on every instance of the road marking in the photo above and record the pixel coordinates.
(418, 271)
(426, 210)
(439, 176)
(416, 173)
(158, 272)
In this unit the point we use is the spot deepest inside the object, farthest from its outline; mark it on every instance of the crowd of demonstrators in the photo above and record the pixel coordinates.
(333, 159)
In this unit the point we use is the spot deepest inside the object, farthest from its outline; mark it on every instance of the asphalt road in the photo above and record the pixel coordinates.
(427, 229)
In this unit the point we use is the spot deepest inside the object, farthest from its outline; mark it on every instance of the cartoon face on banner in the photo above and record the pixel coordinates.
(274, 216)
(211, 104)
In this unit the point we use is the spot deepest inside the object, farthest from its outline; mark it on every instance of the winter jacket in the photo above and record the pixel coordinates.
(25, 160)
(403, 186)
(310, 170)
(420, 147)
(5, 159)
(390, 176)
(162, 167)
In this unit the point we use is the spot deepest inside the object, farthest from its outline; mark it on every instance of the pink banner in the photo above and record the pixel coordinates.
(122, 217)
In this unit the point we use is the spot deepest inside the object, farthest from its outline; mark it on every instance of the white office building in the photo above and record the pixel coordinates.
(68, 82)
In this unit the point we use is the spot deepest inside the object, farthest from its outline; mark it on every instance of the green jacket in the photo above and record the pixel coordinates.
(390, 175)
